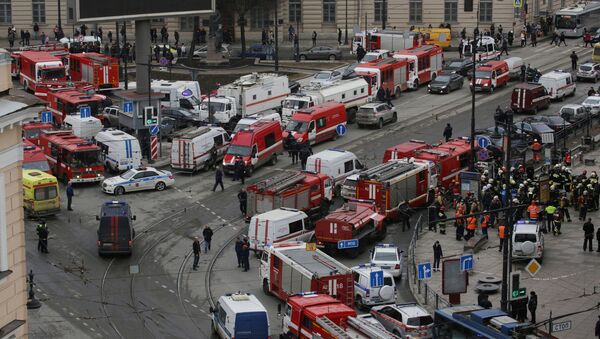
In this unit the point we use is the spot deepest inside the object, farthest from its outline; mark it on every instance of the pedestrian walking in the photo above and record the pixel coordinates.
(597, 330)
(218, 178)
(27, 37)
(501, 235)
(305, 152)
(360, 53)
(588, 234)
(388, 97)
(485, 223)
(314, 38)
(238, 251)
(554, 39)
(207, 233)
(176, 36)
(532, 305)
(504, 47)
(243, 199)
(246, 255)
(239, 169)
(534, 39)
(437, 256)
(574, 59)
(523, 39)
(587, 39)
(461, 45)
(70, 194)
(291, 32)
(196, 250)
(339, 36)
(562, 39)
(447, 132)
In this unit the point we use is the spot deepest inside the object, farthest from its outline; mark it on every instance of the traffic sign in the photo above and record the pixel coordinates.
(517, 3)
(424, 270)
(153, 129)
(343, 244)
(47, 116)
(311, 246)
(377, 279)
(483, 141)
(85, 111)
(163, 61)
(483, 155)
(466, 262)
(128, 106)
(561, 326)
(533, 267)
(341, 130)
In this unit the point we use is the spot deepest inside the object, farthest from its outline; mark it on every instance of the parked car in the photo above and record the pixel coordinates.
(405, 320)
(200, 52)
(589, 71)
(445, 83)
(596, 36)
(375, 54)
(459, 66)
(556, 122)
(573, 112)
(592, 104)
(375, 113)
(137, 179)
(534, 129)
(167, 128)
(527, 241)
(111, 114)
(183, 117)
(321, 53)
(257, 51)
(326, 77)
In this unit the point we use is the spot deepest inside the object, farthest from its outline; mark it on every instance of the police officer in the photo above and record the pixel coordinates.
(238, 251)
(246, 254)
(243, 199)
(42, 232)
(41, 224)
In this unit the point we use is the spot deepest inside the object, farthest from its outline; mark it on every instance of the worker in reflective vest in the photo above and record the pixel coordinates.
(536, 147)
(485, 221)
(501, 236)
(568, 158)
(460, 225)
(471, 227)
(533, 210)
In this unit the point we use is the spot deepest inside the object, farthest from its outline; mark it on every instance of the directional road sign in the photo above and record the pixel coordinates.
(424, 270)
(533, 267)
(343, 244)
(483, 141)
(466, 262)
(47, 116)
(377, 279)
(341, 130)
(153, 129)
(85, 112)
(128, 106)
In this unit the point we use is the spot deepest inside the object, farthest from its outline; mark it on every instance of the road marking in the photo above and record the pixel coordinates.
(234, 228)
(78, 319)
(85, 324)
(203, 311)
(187, 301)
(202, 205)
(163, 286)
(71, 314)
(194, 306)
(44, 294)
(213, 212)
(171, 291)
(37, 289)
(92, 329)
(156, 282)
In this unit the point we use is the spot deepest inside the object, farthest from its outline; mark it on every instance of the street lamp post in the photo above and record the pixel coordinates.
(59, 18)
(346, 28)
(506, 260)
(474, 52)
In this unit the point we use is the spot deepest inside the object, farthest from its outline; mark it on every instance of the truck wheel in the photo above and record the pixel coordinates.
(119, 190)
(359, 303)
(351, 115)
(380, 123)
(160, 186)
(302, 57)
(266, 287)
(273, 161)
(416, 85)
(332, 57)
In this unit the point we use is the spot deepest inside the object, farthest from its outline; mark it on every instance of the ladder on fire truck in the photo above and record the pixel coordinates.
(388, 170)
(280, 181)
(370, 329)
(332, 328)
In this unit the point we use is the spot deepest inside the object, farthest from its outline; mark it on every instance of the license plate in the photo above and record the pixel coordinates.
(386, 267)
(107, 244)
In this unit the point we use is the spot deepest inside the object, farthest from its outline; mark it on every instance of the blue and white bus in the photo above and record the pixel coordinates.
(572, 20)
(472, 321)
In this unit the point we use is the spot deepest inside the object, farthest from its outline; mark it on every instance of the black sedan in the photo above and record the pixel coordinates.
(182, 117)
(555, 122)
(459, 66)
(321, 53)
(445, 83)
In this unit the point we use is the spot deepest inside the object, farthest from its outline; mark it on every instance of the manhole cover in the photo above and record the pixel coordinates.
(487, 288)
(490, 280)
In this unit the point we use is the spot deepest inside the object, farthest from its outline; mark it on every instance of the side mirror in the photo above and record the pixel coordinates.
(133, 217)
(98, 218)
(211, 309)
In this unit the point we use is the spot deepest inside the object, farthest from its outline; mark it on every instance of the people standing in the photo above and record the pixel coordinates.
(437, 256)
(523, 38)
(534, 39)
(523, 73)
(587, 39)
(246, 254)
(504, 47)
(36, 31)
(471, 227)
(238, 251)
(574, 59)
(176, 36)
(314, 38)
(561, 39)
(218, 178)
(196, 250)
(109, 37)
(388, 97)
(243, 199)
(461, 45)
(207, 233)
(70, 194)
(360, 53)
(460, 226)
(441, 217)
(532, 305)
(291, 32)
(27, 37)
(447, 132)
(305, 152)
(40, 226)
(501, 235)
(339, 36)
(239, 170)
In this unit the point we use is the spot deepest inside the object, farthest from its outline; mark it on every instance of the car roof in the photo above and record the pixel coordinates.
(333, 154)
(366, 269)
(525, 228)
(571, 106)
(372, 104)
(411, 310)
(280, 214)
(589, 64)
(242, 303)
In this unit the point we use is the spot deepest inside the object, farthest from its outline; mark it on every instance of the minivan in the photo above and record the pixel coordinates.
(529, 97)
(282, 224)
(335, 163)
(527, 240)
(239, 315)
(115, 233)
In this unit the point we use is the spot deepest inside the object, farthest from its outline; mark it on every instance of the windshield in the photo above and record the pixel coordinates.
(297, 126)
(41, 165)
(53, 73)
(82, 159)
(127, 175)
(238, 150)
(568, 111)
(31, 133)
(295, 104)
(442, 78)
(365, 110)
(455, 65)
(585, 68)
(322, 75)
(214, 106)
(566, 22)
(194, 100)
(75, 108)
(420, 321)
(483, 74)
(240, 127)
(371, 79)
(385, 256)
(523, 237)
(592, 101)
(370, 57)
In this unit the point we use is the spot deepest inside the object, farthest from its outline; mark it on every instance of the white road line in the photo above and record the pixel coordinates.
(37, 289)
(171, 291)
(156, 282)
(187, 301)
(213, 212)
(163, 286)
(202, 205)
(203, 311)
(85, 324)
(78, 319)
(44, 294)
(194, 306)
(92, 329)
(235, 228)
(71, 314)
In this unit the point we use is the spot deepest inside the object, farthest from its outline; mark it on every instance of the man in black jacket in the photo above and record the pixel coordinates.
(207, 233)
(238, 251)
(196, 250)
(588, 230)
(218, 179)
(437, 256)
(532, 305)
(448, 132)
(243, 198)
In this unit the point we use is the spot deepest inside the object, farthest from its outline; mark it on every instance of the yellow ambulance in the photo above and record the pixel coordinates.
(40, 193)
(596, 53)
(436, 36)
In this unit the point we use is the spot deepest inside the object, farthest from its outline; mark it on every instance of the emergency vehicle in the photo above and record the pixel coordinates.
(311, 315)
(198, 148)
(353, 93)
(71, 157)
(102, 71)
(486, 49)
(529, 97)
(63, 102)
(316, 124)
(395, 182)
(5, 71)
(119, 151)
(335, 163)
(353, 220)
(56, 49)
(389, 73)
(256, 146)
(34, 158)
(450, 158)
(184, 94)
(40, 71)
(367, 294)
(279, 225)
(435, 36)
(85, 128)
(239, 315)
(424, 63)
(308, 192)
(289, 268)
(40, 193)
(558, 84)
(404, 150)
(33, 129)
(386, 39)
(489, 76)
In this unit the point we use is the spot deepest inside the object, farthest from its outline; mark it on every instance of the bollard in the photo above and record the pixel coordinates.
(437, 301)
(32, 302)
(425, 294)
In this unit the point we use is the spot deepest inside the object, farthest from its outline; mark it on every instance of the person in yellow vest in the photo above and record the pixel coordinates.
(533, 210)
(471, 227)
(501, 235)
(550, 211)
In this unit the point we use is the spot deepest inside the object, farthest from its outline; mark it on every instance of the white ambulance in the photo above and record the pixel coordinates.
(85, 128)
(198, 148)
(119, 151)
(338, 164)
(558, 84)
(184, 94)
(282, 224)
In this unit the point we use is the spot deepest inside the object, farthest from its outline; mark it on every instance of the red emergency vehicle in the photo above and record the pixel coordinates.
(450, 158)
(102, 71)
(316, 124)
(34, 158)
(62, 102)
(404, 150)
(288, 268)
(491, 75)
(40, 71)
(305, 191)
(353, 220)
(33, 129)
(72, 158)
(57, 49)
(392, 184)
(389, 73)
(425, 63)
(387, 39)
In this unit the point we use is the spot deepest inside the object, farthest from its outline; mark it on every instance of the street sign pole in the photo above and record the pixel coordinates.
(507, 246)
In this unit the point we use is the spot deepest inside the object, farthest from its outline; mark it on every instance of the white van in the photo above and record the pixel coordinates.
(245, 122)
(336, 163)
(240, 315)
(559, 84)
(198, 148)
(183, 94)
(282, 224)
(85, 128)
(486, 49)
(119, 151)
(514, 67)
(527, 241)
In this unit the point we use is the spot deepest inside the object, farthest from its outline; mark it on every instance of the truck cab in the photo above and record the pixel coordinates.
(316, 124)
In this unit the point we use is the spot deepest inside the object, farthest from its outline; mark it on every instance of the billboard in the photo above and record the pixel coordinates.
(101, 10)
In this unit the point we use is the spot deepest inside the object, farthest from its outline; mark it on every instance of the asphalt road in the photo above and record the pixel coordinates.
(102, 297)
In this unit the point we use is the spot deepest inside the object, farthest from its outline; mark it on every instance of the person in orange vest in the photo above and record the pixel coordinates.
(536, 147)
(460, 225)
(501, 235)
(534, 210)
(568, 158)
(471, 227)
(485, 221)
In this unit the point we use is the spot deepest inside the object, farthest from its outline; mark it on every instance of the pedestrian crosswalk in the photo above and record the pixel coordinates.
(558, 51)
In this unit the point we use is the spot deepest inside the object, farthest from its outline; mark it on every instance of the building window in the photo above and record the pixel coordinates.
(415, 11)
(295, 11)
(328, 10)
(186, 23)
(39, 11)
(5, 12)
(451, 10)
(259, 18)
(3, 226)
(485, 10)
(71, 13)
(159, 20)
(380, 10)
(517, 13)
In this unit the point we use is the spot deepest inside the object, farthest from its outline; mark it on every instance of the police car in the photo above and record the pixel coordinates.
(143, 178)
(389, 258)
(365, 295)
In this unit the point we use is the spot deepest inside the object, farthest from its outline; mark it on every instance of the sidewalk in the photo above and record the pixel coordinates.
(568, 281)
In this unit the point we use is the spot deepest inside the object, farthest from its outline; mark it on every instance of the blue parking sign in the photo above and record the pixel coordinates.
(46, 116)
(85, 112)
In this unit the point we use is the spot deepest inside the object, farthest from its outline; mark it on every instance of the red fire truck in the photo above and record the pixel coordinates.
(102, 71)
(450, 159)
(393, 183)
(353, 220)
(72, 158)
(425, 63)
(40, 71)
(33, 129)
(391, 73)
(387, 39)
(308, 192)
(404, 150)
(289, 268)
(34, 157)
(57, 49)
(62, 102)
